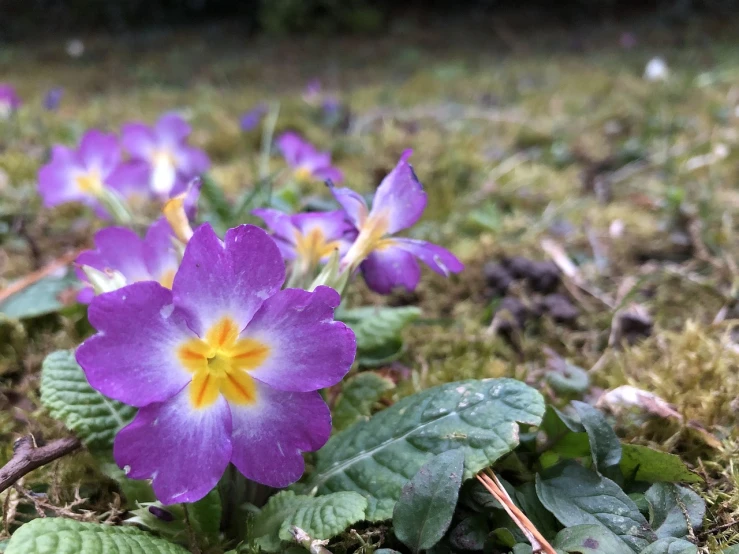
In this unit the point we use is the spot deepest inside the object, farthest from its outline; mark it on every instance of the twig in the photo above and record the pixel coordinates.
(27, 457)
(31, 278)
(538, 542)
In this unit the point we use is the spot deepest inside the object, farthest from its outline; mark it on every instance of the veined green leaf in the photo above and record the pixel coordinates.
(47, 535)
(358, 395)
(377, 457)
(69, 398)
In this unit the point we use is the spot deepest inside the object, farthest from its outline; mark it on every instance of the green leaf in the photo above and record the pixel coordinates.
(424, 511)
(69, 398)
(50, 535)
(671, 545)
(522, 548)
(471, 533)
(605, 448)
(673, 508)
(41, 298)
(589, 539)
(378, 331)
(204, 515)
(578, 496)
(731, 550)
(641, 463)
(324, 517)
(530, 504)
(219, 206)
(321, 517)
(358, 397)
(264, 529)
(377, 457)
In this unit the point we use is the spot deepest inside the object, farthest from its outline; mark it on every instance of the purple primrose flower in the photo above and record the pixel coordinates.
(161, 156)
(225, 367)
(9, 100)
(311, 237)
(120, 253)
(249, 120)
(80, 175)
(306, 162)
(387, 261)
(53, 98)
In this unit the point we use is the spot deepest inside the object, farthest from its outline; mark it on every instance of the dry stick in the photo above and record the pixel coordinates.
(27, 457)
(516, 514)
(36, 276)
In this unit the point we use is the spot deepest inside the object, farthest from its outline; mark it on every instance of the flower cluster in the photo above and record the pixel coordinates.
(225, 367)
(365, 238)
(159, 164)
(223, 358)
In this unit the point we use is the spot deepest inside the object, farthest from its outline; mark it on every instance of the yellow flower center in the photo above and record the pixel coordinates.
(220, 364)
(312, 247)
(303, 174)
(90, 182)
(371, 237)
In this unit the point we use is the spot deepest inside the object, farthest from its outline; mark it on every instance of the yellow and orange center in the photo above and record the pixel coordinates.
(90, 182)
(312, 246)
(220, 363)
(371, 237)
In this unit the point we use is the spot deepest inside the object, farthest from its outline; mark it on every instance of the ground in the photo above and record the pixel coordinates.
(534, 141)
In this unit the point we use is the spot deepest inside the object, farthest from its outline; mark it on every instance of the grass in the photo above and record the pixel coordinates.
(528, 134)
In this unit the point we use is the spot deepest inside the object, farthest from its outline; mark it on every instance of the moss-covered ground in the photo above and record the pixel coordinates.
(533, 141)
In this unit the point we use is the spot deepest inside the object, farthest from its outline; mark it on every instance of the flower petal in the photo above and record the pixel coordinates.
(118, 249)
(217, 279)
(437, 258)
(171, 130)
(400, 197)
(390, 267)
(184, 451)
(160, 254)
(280, 223)
(329, 173)
(269, 436)
(133, 358)
(191, 162)
(131, 179)
(57, 178)
(308, 350)
(352, 202)
(100, 151)
(139, 140)
(293, 148)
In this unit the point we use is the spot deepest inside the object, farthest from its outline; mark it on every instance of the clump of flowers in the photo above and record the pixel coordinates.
(305, 161)
(225, 367)
(9, 100)
(161, 155)
(387, 261)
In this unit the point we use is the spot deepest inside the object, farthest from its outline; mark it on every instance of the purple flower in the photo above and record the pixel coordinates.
(9, 100)
(310, 238)
(251, 119)
(122, 255)
(312, 92)
(225, 367)
(307, 162)
(161, 156)
(80, 175)
(53, 98)
(387, 261)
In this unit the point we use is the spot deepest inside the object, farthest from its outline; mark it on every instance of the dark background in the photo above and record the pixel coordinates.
(26, 19)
